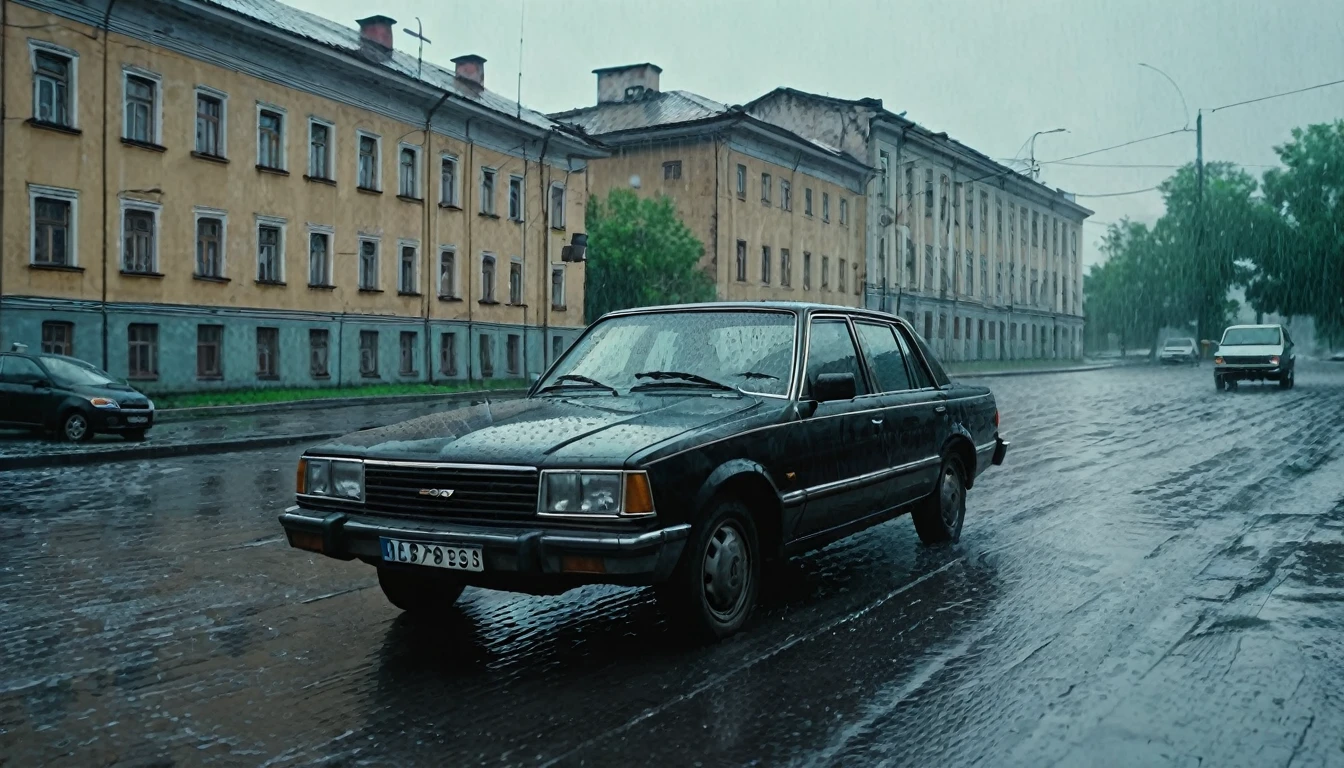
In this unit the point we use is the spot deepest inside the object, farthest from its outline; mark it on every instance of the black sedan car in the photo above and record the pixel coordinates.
(673, 447)
(74, 399)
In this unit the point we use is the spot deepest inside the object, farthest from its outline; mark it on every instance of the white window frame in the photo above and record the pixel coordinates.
(494, 193)
(377, 159)
(560, 211)
(522, 197)
(377, 262)
(564, 284)
(329, 173)
(418, 186)
(56, 193)
(202, 212)
(72, 88)
(329, 279)
(156, 209)
(494, 297)
(269, 221)
(455, 200)
(284, 134)
(522, 281)
(456, 272)
(415, 266)
(128, 71)
(205, 90)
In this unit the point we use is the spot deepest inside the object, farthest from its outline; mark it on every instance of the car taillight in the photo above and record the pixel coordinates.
(996, 418)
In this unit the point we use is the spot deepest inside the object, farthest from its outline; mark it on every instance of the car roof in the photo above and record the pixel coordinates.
(1265, 325)
(799, 307)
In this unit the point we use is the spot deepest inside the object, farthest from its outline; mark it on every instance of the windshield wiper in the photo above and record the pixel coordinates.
(576, 380)
(756, 375)
(679, 378)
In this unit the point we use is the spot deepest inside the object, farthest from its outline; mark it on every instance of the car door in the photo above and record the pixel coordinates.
(20, 392)
(843, 438)
(932, 423)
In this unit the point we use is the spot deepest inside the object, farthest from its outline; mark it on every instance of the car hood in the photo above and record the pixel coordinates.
(120, 392)
(1251, 350)
(586, 430)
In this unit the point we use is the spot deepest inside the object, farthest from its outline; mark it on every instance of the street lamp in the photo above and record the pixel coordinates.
(1033, 167)
(1173, 85)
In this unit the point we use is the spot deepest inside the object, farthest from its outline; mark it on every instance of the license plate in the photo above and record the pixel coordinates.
(136, 419)
(450, 556)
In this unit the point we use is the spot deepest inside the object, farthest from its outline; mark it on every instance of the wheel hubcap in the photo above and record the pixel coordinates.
(76, 427)
(726, 571)
(952, 496)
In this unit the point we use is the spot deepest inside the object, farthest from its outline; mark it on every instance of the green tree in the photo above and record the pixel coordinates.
(640, 254)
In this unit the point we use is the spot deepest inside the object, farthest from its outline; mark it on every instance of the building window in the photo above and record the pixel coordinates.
(557, 206)
(487, 355)
(319, 259)
(514, 347)
(807, 271)
(268, 353)
(765, 264)
(210, 121)
(766, 194)
(909, 185)
(844, 210)
(209, 246)
(447, 274)
(209, 351)
(1035, 220)
(557, 287)
(406, 270)
(785, 268)
(826, 207)
(557, 347)
(741, 261)
(515, 282)
(515, 198)
(408, 172)
(942, 197)
(58, 338)
(956, 328)
(368, 265)
(672, 170)
(142, 108)
(54, 87)
(270, 139)
(741, 182)
(858, 283)
(448, 181)
(448, 353)
(970, 206)
(139, 239)
(142, 350)
(368, 354)
(487, 191)
(369, 173)
(785, 195)
(320, 150)
(928, 191)
(488, 278)
(408, 353)
(840, 277)
(319, 356)
(825, 273)
(270, 252)
(807, 201)
(53, 226)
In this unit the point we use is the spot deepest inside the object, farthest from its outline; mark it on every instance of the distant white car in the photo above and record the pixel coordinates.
(1179, 350)
(1255, 353)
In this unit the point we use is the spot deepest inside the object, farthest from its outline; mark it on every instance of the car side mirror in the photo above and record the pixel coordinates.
(834, 386)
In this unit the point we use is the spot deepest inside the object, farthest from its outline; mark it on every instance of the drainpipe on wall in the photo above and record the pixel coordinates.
(4, 19)
(429, 248)
(468, 186)
(543, 185)
(102, 137)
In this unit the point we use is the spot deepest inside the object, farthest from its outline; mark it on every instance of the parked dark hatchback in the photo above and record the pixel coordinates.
(69, 396)
(677, 447)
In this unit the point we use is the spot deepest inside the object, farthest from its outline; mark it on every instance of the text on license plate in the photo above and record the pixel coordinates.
(135, 419)
(450, 556)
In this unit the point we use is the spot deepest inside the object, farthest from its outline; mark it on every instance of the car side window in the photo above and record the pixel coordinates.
(830, 349)
(884, 357)
(20, 370)
(908, 341)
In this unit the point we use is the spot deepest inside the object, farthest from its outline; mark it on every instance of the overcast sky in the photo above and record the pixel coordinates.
(989, 72)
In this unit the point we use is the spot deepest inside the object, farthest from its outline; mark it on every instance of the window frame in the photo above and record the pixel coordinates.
(155, 210)
(156, 80)
(71, 198)
(740, 261)
(741, 181)
(807, 201)
(218, 373)
(456, 282)
(513, 354)
(153, 346)
(377, 263)
(516, 267)
(68, 344)
(844, 211)
(488, 206)
(450, 197)
(556, 214)
(767, 193)
(486, 355)
(448, 362)
(766, 256)
(201, 212)
(406, 362)
(416, 190)
(488, 257)
(413, 246)
(325, 335)
(825, 207)
(785, 268)
(786, 195)
(283, 138)
(807, 270)
(223, 99)
(329, 273)
(328, 173)
(558, 269)
(672, 170)
(521, 183)
(274, 222)
(377, 171)
(71, 86)
(369, 373)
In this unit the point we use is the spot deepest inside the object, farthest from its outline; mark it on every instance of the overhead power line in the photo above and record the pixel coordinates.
(1277, 95)
(1115, 146)
(1118, 194)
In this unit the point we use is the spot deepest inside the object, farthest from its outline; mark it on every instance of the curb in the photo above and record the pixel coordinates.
(133, 453)
(1040, 371)
(207, 411)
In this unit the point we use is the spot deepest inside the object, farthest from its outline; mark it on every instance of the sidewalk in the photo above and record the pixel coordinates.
(989, 371)
(183, 434)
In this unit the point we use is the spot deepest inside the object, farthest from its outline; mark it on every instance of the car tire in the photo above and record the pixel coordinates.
(418, 593)
(939, 518)
(134, 435)
(1287, 382)
(75, 427)
(714, 587)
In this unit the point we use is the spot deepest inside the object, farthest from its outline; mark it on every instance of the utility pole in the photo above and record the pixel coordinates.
(419, 34)
(1201, 331)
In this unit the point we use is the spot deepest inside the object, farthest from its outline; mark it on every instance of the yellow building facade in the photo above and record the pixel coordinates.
(264, 197)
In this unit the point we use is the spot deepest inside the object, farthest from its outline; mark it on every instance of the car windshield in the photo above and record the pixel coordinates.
(1247, 337)
(1180, 343)
(73, 374)
(746, 349)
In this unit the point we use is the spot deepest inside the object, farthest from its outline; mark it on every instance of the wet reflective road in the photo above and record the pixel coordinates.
(1155, 577)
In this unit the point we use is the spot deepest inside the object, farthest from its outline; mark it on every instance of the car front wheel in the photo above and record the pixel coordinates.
(418, 593)
(939, 518)
(75, 428)
(714, 587)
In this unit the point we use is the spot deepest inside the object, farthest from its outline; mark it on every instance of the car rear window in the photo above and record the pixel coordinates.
(1250, 337)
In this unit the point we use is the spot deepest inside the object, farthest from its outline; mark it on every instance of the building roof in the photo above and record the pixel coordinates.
(653, 110)
(331, 34)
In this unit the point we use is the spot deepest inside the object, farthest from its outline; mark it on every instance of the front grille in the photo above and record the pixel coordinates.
(479, 493)
(134, 406)
(1246, 359)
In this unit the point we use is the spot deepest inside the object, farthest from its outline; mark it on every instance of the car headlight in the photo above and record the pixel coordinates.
(1218, 360)
(1274, 359)
(333, 478)
(104, 402)
(604, 493)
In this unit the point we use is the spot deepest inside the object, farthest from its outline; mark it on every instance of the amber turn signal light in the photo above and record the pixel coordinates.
(305, 540)
(638, 498)
(301, 481)
(577, 564)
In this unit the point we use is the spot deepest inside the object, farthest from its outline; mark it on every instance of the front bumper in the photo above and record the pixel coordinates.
(538, 560)
(1242, 372)
(121, 420)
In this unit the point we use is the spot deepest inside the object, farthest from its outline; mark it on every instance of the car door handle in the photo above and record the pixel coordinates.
(878, 421)
(940, 409)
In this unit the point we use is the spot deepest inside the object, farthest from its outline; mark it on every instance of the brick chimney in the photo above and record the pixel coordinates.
(631, 82)
(377, 30)
(471, 67)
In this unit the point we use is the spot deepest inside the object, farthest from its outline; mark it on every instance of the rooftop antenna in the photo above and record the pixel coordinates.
(419, 34)
(522, 15)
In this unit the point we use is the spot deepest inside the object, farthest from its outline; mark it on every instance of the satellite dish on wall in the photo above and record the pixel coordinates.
(634, 181)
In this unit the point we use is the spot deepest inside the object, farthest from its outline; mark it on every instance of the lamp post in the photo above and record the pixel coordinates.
(1035, 169)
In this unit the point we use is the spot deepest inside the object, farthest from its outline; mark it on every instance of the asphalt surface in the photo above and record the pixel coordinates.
(1155, 577)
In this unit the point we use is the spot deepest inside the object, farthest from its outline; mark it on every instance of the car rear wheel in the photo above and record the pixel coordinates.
(75, 428)
(419, 593)
(939, 518)
(714, 587)
(1288, 381)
